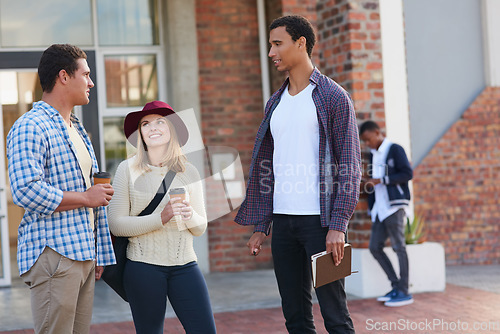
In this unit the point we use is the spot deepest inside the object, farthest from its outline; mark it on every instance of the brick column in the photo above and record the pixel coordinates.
(351, 54)
(231, 110)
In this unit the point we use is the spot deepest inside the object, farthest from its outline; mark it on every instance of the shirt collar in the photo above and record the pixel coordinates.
(50, 110)
(315, 75)
(383, 147)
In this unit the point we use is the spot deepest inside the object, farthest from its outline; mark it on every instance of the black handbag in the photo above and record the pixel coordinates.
(113, 275)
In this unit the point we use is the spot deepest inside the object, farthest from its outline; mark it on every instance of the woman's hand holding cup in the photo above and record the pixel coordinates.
(170, 210)
(177, 206)
(184, 210)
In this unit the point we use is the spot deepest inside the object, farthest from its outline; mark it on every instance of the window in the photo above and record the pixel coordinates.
(63, 21)
(115, 144)
(130, 80)
(127, 22)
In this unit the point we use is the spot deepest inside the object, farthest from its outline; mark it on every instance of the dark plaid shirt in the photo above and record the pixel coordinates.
(339, 160)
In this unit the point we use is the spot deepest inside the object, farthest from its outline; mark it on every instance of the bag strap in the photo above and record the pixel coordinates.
(162, 190)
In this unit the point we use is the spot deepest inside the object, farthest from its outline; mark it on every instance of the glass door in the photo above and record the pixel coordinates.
(18, 90)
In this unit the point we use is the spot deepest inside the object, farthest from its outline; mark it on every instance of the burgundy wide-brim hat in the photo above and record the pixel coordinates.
(131, 124)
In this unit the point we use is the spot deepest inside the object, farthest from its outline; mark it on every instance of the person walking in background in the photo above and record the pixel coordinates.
(387, 203)
(161, 258)
(304, 178)
(51, 161)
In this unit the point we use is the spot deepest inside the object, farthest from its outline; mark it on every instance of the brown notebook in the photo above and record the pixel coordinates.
(324, 270)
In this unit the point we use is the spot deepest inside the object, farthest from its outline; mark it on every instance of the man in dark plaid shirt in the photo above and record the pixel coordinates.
(304, 177)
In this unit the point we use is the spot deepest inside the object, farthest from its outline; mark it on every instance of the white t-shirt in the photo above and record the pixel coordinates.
(295, 131)
(84, 160)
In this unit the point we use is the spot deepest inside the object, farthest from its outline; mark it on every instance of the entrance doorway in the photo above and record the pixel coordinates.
(18, 90)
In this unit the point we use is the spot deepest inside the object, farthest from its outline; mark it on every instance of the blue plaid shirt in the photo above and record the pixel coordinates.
(339, 160)
(42, 164)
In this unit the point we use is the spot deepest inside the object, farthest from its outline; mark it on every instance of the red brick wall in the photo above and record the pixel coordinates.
(457, 189)
(351, 53)
(231, 110)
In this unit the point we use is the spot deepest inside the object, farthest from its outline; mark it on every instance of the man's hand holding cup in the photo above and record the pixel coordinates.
(101, 192)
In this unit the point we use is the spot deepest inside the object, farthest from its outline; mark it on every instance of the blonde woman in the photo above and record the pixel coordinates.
(161, 259)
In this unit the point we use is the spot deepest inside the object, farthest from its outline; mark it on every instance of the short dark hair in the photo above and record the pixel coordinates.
(58, 57)
(368, 126)
(297, 26)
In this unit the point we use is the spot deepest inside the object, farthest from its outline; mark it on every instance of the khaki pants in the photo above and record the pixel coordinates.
(62, 293)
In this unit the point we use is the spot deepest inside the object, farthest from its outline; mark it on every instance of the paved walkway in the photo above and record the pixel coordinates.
(470, 304)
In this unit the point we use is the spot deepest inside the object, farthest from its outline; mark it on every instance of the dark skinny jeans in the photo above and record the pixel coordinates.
(393, 228)
(148, 286)
(294, 239)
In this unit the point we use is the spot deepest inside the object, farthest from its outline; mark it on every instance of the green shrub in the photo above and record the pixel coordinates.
(414, 232)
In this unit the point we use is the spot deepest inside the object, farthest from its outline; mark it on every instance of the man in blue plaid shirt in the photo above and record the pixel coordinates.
(304, 177)
(64, 230)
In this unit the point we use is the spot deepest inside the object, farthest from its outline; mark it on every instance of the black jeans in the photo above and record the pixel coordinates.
(148, 286)
(392, 227)
(294, 239)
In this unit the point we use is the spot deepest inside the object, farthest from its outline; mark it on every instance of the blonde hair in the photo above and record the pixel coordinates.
(174, 158)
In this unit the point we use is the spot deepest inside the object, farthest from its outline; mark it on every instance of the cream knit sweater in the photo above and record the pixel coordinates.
(151, 241)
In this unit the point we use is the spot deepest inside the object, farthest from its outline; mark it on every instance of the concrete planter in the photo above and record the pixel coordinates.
(427, 270)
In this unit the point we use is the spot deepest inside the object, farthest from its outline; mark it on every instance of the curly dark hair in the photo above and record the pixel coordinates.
(56, 58)
(297, 26)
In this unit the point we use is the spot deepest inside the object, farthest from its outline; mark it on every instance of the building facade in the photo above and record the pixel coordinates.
(429, 77)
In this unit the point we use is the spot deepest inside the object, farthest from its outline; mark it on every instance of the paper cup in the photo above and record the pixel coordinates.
(102, 177)
(177, 193)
